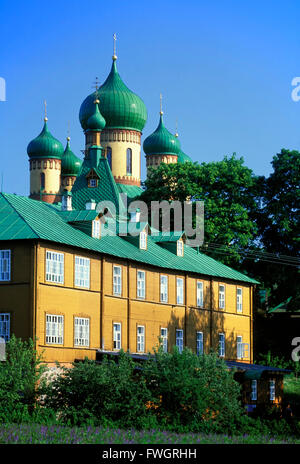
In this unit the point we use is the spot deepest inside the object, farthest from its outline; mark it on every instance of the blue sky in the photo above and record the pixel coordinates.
(224, 68)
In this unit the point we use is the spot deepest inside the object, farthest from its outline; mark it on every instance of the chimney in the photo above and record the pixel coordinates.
(66, 201)
(90, 205)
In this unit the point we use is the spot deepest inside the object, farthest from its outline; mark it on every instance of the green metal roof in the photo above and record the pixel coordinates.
(24, 218)
(106, 189)
(45, 145)
(120, 107)
(132, 191)
(183, 158)
(161, 142)
(70, 164)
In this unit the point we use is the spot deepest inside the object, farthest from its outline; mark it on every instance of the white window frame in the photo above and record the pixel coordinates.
(117, 281)
(96, 228)
(143, 240)
(117, 335)
(82, 272)
(199, 295)
(164, 338)
(81, 331)
(199, 343)
(179, 339)
(221, 296)
(141, 284)
(55, 267)
(54, 329)
(179, 290)
(5, 265)
(239, 347)
(239, 300)
(164, 289)
(180, 248)
(222, 345)
(272, 386)
(140, 338)
(253, 390)
(5, 326)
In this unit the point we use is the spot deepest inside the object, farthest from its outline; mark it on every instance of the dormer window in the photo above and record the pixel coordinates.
(179, 248)
(93, 182)
(96, 229)
(143, 241)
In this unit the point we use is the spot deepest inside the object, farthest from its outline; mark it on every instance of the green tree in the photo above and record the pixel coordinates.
(230, 192)
(279, 229)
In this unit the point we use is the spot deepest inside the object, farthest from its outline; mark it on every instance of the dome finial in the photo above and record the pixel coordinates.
(161, 111)
(96, 85)
(68, 132)
(176, 133)
(115, 46)
(45, 118)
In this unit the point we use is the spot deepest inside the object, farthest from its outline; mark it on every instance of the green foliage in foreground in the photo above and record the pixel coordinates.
(180, 393)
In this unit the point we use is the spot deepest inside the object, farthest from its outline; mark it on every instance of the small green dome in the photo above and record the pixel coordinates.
(70, 164)
(120, 107)
(45, 145)
(96, 121)
(183, 158)
(161, 142)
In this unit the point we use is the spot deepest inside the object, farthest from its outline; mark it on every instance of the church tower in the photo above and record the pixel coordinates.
(70, 166)
(45, 154)
(125, 115)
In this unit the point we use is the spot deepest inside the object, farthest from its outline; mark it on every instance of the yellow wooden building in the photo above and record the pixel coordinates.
(79, 290)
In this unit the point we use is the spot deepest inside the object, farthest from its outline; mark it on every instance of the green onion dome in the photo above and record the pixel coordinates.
(45, 145)
(183, 157)
(70, 164)
(96, 121)
(120, 107)
(161, 142)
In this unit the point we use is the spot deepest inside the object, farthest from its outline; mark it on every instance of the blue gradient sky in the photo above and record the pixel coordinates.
(224, 69)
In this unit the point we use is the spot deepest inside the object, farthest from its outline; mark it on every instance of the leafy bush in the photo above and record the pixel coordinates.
(19, 375)
(195, 393)
(106, 393)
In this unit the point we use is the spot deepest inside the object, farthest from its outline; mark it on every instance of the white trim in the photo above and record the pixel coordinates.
(164, 288)
(140, 339)
(54, 267)
(54, 329)
(179, 339)
(117, 280)
(179, 291)
(5, 326)
(180, 248)
(5, 265)
(117, 335)
(164, 337)
(222, 345)
(141, 284)
(199, 343)
(221, 296)
(82, 272)
(96, 228)
(81, 331)
(199, 294)
(239, 347)
(239, 300)
(143, 240)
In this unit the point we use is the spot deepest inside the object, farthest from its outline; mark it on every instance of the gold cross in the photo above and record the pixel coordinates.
(161, 111)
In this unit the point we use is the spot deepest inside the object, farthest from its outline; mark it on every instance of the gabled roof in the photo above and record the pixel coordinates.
(23, 218)
(106, 189)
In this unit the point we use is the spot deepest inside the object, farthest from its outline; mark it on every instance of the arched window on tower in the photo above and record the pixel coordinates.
(108, 156)
(129, 162)
(42, 181)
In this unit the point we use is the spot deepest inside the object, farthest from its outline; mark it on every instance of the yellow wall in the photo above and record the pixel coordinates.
(51, 169)
(119, 141)
(29, 304)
